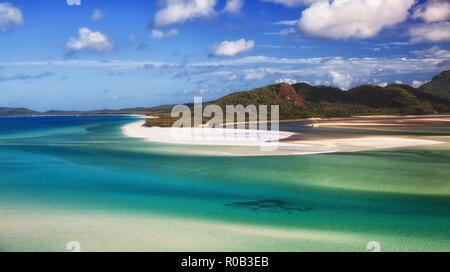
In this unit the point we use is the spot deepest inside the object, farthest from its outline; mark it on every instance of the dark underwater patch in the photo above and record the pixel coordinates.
(268, 206)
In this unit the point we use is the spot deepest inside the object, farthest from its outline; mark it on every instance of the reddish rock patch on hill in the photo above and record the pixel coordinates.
(287, 92)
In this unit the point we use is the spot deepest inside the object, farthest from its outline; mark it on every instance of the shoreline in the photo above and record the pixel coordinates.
(286, 147)
(384, 116)
(210, 136)
(78, 115)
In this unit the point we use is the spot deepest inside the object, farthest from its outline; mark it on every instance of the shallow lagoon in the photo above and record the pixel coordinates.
(79, 179)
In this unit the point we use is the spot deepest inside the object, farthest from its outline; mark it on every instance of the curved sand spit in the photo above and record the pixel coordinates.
(247, 138)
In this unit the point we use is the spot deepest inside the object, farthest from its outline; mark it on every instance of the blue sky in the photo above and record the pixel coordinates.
(92, 54)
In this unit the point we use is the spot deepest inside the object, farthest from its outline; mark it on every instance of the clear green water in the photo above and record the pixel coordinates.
(74, 166)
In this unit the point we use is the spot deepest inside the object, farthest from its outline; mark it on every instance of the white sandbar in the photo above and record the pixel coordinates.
(247, 138)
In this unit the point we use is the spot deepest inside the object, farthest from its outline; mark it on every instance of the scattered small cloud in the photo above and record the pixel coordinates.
(10, 17)
(445, 64)
(96, 15)
(256, 74)
(343, 81)
(283, 32)
(206, 92)
(73, 2)
(417, 83)
(96, 42)
(433, 11)
(434, 51)
(180, 11)
(433, 32)
(233, 6)
(233, 48)
(24, 77)
(159, 34)
(286, 31)
(286, 80)
(287, 23)
(384, 84)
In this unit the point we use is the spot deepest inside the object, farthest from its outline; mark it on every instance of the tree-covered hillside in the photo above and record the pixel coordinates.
(439, 86)
(305, 101)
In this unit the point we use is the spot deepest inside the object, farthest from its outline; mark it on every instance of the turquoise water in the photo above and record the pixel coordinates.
(72, 166)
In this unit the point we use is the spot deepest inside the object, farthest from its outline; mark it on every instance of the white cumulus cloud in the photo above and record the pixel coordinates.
(340, 80)
(433, 11)
(342, 19)
(232, 48)
(94, 41)
(10, 17)
(233, 6)
(433, 32)
(179, 11)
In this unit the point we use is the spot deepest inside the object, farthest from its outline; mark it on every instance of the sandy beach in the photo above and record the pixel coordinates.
(289, 145)
(203, 136)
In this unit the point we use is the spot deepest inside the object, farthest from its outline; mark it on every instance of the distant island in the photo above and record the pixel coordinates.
(302, 100)
(17, 112)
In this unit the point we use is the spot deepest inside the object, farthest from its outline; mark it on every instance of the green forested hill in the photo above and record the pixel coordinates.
(333, 102)
(439, 86)
(16, 112)
(4, 112)
(305, 101)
